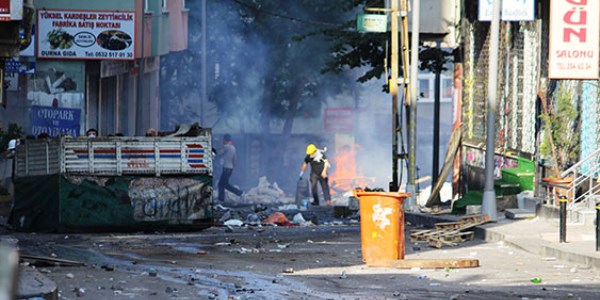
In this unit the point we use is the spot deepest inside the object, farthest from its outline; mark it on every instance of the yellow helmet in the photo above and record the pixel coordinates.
(311, 149)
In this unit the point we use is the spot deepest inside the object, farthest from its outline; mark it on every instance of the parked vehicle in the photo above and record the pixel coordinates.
(114, 183)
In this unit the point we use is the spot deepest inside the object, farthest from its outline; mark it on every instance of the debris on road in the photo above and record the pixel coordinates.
(233, 222)
(264, 193)
(448, 233)
(277, 218)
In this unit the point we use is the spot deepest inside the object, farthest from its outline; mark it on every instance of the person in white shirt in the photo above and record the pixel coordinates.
(229, 157)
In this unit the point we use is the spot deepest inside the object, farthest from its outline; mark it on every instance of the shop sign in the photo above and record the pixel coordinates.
(55, 121)
(339, 119)
(14, 66)
(371, 23)
(512, 10)
(11, 10)
(86, 34)
(574, 39)
(4, 10)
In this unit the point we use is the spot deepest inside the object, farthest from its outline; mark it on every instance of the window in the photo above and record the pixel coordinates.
(164, 5)
(447, 88)
(424, 89)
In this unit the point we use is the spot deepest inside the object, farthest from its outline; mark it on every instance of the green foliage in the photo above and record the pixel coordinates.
(349, 48)
(14, 132)
(562, 123)
(434, 59)
(352, 49)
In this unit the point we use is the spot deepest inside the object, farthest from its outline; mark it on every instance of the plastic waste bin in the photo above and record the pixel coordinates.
(381, 226)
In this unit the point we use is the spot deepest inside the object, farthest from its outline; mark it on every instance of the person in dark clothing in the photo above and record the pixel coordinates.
(91, 133)
(229, 158)
(318, 173)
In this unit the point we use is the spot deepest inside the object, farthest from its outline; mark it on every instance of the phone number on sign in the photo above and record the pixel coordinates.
(103, 54)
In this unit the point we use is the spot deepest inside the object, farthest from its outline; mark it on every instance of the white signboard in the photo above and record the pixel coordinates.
(512, 10)
(86, 34)
(574, 39)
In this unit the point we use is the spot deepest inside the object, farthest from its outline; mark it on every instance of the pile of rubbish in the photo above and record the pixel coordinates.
(264, 193)
(259, 215)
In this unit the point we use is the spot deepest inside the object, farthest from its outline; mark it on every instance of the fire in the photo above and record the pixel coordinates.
(346, 176)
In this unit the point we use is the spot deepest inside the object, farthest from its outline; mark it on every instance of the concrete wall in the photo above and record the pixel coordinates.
(160, 33)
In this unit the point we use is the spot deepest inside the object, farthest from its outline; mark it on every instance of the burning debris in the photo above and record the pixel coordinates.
(346, 175)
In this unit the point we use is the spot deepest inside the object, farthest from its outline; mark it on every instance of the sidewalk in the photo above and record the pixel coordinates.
(539, 236)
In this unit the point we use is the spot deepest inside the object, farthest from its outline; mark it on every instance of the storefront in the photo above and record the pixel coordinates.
(87, 60)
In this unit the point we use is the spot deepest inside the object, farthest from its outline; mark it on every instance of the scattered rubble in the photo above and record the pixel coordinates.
(233, 222)
(277, 218)
(265, 193)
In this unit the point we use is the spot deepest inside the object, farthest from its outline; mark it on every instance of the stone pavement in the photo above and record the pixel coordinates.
(538, 235)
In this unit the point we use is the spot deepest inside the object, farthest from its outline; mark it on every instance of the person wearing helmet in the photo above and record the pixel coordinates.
(318, 172)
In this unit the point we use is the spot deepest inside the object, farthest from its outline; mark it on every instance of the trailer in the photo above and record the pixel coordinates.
(113, 184)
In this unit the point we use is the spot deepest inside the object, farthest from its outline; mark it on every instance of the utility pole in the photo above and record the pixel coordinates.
(436, 126)
(488, 205)
(204, 97)
(393, 86)
(412, 105)
(140, 79)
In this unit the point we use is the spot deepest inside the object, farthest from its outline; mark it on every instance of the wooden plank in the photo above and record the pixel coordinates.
(51, 260)
(441, 211)
(448, 233)
(453, 146)
(448, 225)
(436, 263)
(438, 243)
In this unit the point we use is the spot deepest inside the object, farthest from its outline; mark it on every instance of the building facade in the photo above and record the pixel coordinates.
(93, 64)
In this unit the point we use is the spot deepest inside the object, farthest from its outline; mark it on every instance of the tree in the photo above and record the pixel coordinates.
(560, 129)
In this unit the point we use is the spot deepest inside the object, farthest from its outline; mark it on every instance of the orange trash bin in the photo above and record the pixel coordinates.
(381, 226)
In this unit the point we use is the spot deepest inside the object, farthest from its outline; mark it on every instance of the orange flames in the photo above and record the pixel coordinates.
(346, 176)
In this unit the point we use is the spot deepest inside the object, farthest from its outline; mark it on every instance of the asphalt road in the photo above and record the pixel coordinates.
(316, 262)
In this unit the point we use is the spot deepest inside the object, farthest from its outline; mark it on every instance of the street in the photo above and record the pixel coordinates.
(299, 262)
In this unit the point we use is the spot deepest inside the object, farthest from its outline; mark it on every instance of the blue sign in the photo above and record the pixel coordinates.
(13, 66)
(55, 121)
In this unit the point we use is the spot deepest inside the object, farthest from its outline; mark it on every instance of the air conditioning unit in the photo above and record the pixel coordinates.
(438, 20)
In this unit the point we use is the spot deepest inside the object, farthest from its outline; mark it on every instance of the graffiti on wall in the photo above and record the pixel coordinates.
(173, 200)
(476, 158)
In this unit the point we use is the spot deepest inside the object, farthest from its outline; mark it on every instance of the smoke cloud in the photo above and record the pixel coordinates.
(256, 74)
